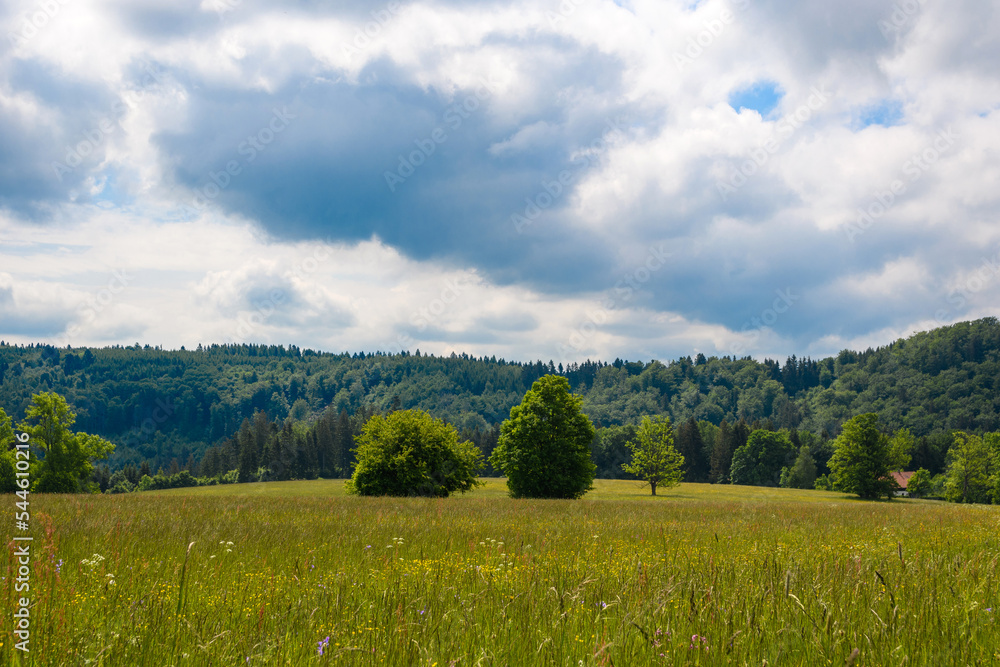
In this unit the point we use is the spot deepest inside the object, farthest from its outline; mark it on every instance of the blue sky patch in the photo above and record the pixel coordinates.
(762, 97)
(886, 113)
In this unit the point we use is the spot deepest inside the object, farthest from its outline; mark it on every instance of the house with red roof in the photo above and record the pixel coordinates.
(902, 479)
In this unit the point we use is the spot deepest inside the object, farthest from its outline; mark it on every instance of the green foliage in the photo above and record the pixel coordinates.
(68, 457)
(8, 470)
(992, 441)
(6, 431)
(157, 405)
(825, 483)
(920, 484)
(864, 457)
(802, 475)
(654, 458)
(409, 453)
(544, 447)
(610, 451)
(972, 470)
(760, 460)
(123, 486)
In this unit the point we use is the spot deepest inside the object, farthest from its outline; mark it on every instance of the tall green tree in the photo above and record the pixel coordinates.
(654, 459)
(690, 445)
(969, 478)
(409, 453)
(67, 457)
(864, 457)
(544, 447)
(920, 483)
(722, 454)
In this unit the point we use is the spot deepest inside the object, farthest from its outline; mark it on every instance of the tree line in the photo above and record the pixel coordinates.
(546, 448)
(186, 409)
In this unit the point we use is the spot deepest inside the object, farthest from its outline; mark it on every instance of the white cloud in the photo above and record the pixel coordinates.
(557, 75)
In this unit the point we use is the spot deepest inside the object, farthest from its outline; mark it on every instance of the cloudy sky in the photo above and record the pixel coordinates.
(521, 179)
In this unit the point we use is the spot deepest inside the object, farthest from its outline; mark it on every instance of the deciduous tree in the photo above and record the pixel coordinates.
(864, 457)
(67, 457)
(544, 447)
(760, 460)
(409, 453)
(969, 478)
(654, 458)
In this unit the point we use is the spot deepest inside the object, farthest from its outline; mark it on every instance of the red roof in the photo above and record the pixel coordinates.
(902, 478)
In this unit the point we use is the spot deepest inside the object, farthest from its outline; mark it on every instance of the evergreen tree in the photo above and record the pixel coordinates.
(689, 444)
(722, 455)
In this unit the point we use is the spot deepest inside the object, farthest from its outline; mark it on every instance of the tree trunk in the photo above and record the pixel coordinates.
(652, 485)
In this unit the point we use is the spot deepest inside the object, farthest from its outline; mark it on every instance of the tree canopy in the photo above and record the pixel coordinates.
(544, 447)
(654, 458)
(157, 405)
(760, 460)
(864, 457)
(972, 468)
(8, 473)
(409, 453)
(67, 458)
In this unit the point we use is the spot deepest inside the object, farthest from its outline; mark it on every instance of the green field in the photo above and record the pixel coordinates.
(700, 575)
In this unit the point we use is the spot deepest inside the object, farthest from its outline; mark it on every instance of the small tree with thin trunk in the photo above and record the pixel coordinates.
(654, 459)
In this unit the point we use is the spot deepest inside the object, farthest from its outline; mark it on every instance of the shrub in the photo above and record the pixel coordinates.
(409, 453)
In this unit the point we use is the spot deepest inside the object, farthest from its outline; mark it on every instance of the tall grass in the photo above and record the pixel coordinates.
(702, 575)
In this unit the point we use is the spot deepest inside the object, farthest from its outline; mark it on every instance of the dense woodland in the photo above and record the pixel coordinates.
(276, 412)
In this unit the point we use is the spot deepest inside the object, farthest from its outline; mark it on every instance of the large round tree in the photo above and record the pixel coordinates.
(864, 457)
(409, 453)
(544, 448)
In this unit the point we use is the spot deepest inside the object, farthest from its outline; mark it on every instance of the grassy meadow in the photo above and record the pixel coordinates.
(298, 573)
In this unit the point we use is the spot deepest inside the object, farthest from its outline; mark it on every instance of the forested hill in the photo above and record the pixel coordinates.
(158, 404)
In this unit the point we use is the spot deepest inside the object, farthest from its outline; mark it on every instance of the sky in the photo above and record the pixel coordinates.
(527, 180)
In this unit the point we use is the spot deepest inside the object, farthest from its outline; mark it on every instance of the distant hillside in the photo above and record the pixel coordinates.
(158, 405)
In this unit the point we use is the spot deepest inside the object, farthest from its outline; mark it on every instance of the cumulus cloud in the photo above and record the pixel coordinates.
(845, 156)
